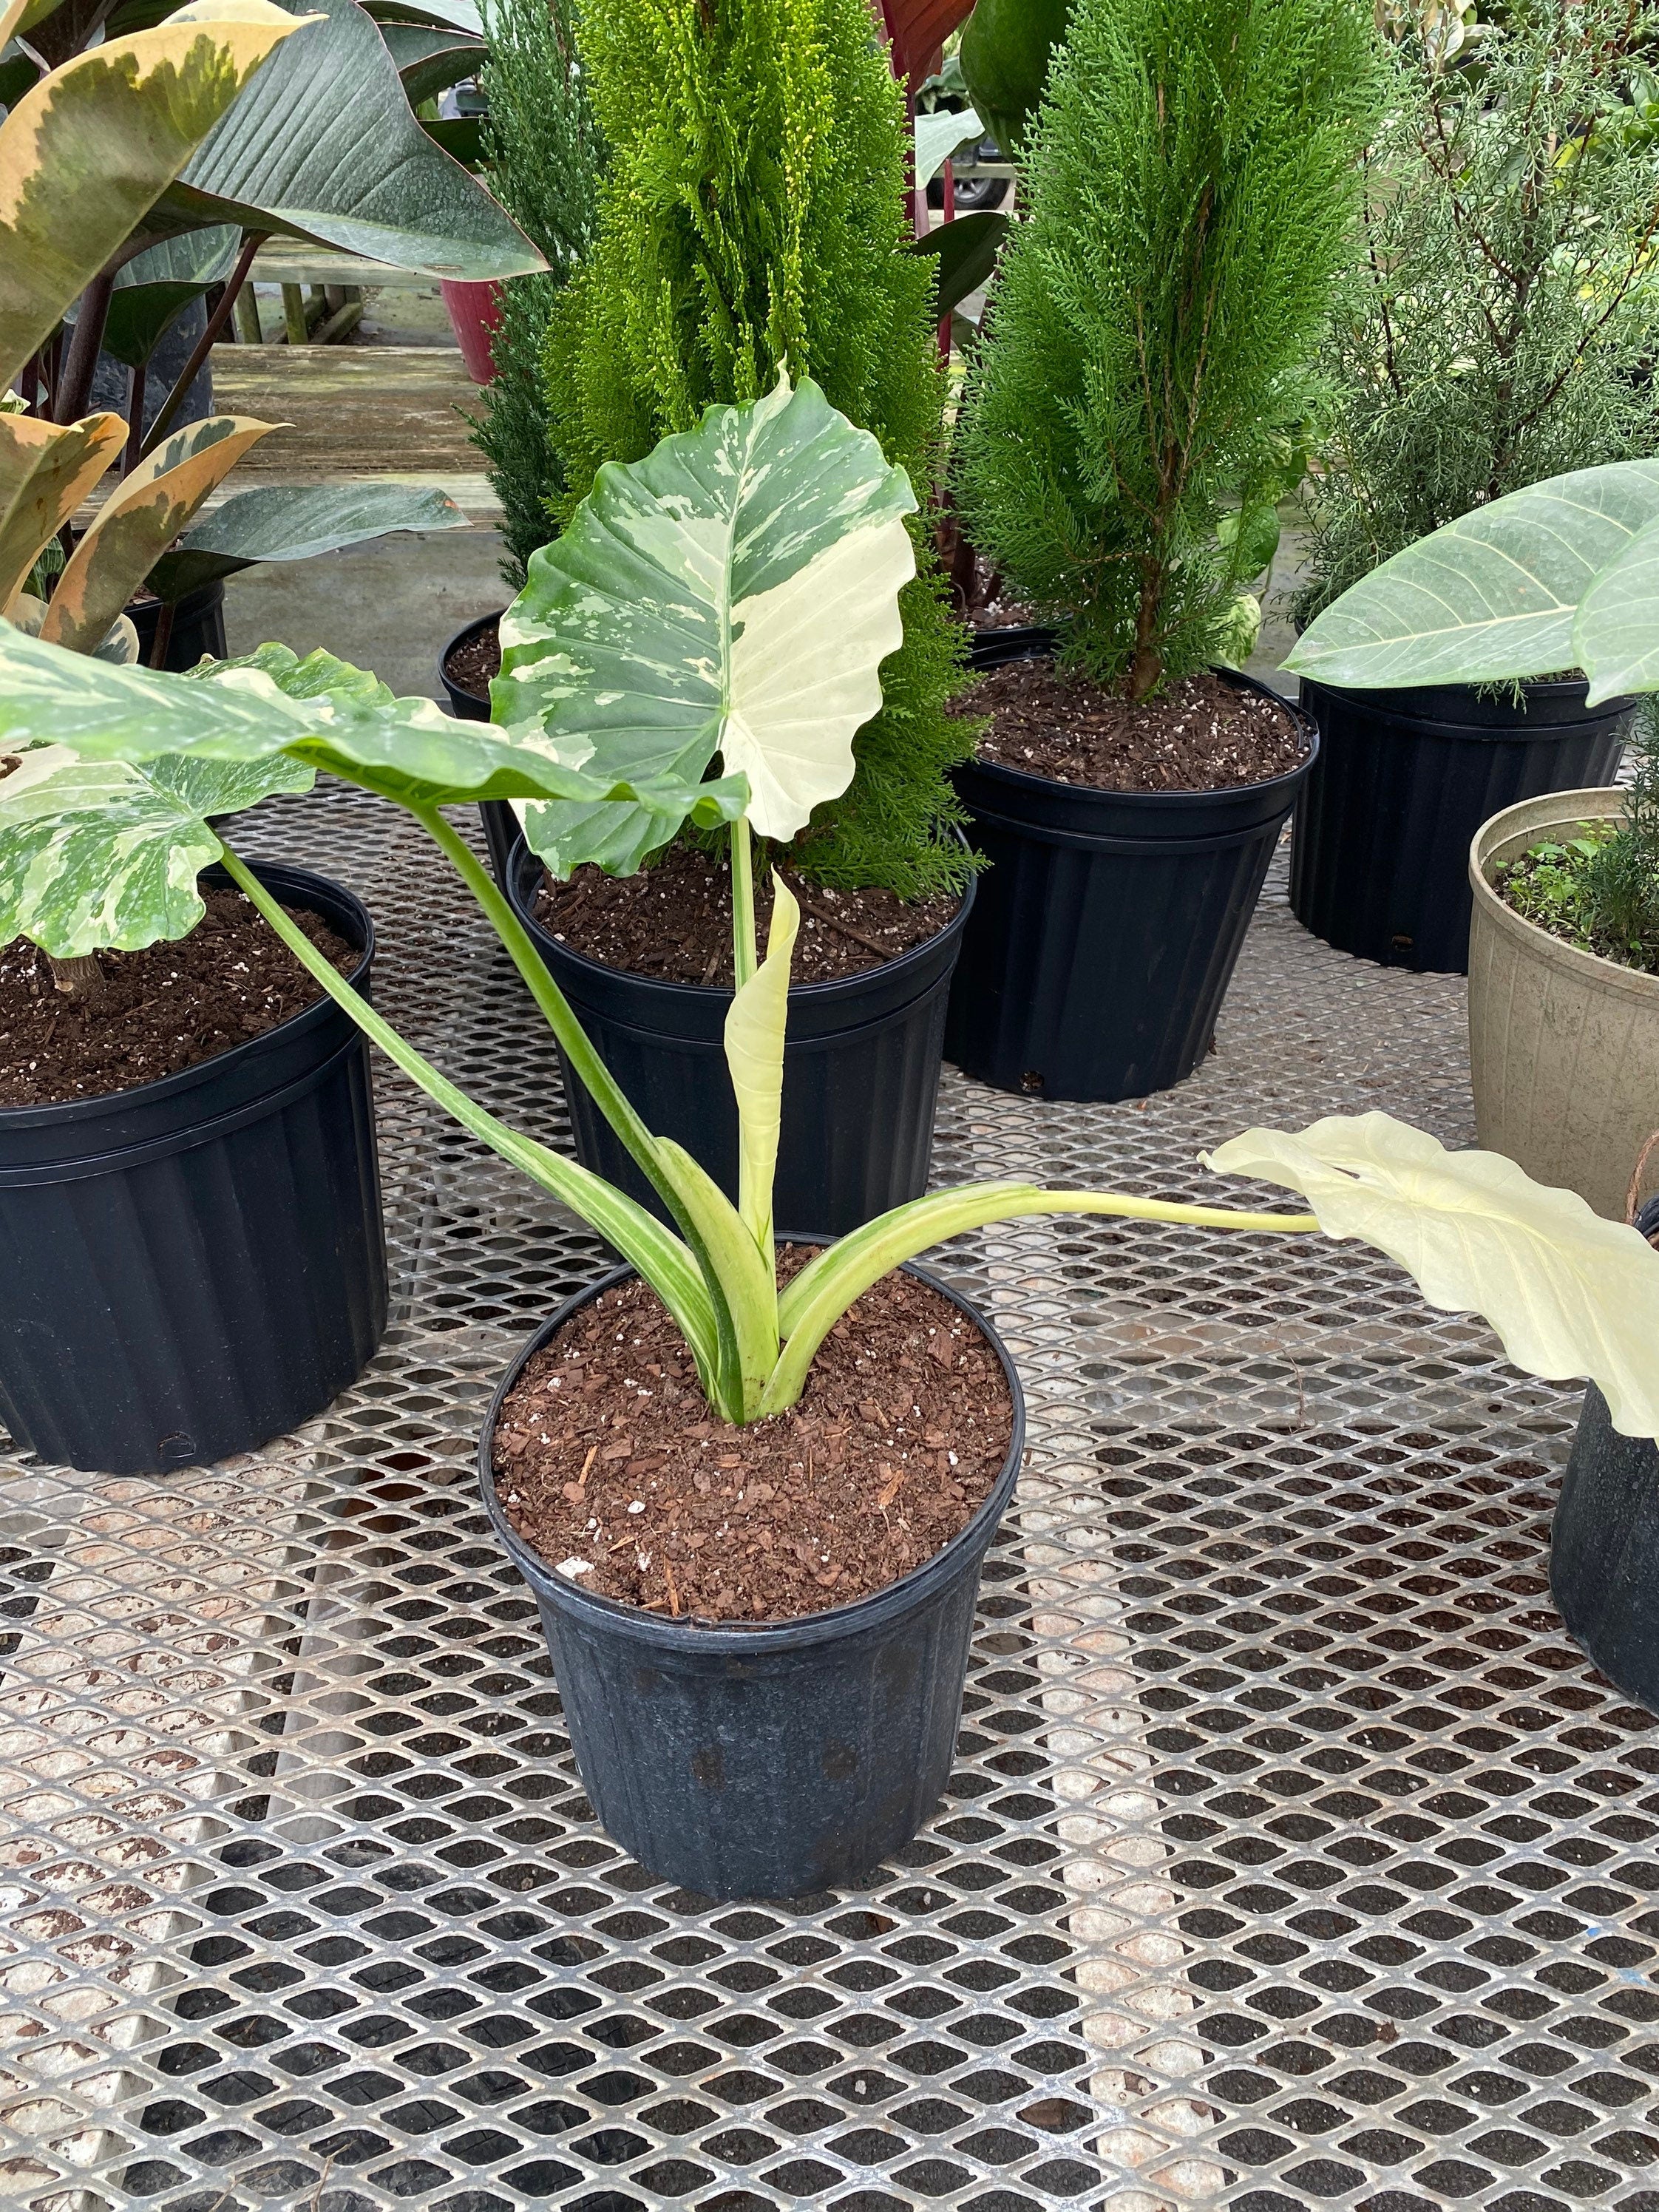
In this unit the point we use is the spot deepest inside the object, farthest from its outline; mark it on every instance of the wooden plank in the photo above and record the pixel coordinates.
(293, 262)
(353, 410)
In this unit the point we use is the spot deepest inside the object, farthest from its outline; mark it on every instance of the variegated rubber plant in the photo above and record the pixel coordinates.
(91, 160)
(702, 646)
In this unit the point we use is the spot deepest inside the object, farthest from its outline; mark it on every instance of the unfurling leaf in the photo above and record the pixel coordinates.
(733, 593)
(97, 854)
(138, 521)
(1568, 1293)
(754, 1052)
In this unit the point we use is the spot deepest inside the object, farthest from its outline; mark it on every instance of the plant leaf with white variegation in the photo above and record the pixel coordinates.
(733, 593)
(1568, 1293)
(97, 854)
(319, 710)
(1490, 597)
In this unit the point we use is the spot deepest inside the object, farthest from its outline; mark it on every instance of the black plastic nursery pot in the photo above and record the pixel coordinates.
(860, 1072)
(1604, 1542)
(774, 1760)
(1604, 1550)
(198, 627)
(1107, 928)
(500, 824)
(193, 1267)
(1403, 780)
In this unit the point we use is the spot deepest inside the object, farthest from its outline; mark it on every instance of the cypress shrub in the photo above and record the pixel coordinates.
(541, 151)
(1191, 198)
(751, 219)
(1505, 325)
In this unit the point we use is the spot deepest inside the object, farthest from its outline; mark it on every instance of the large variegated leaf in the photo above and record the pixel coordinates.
(1568, 1293)
(326, 147)
(153, 288)
(1491, 596)
(1615, 638)
(754, 1023)
(295, 522)
(733, 593)
(87, 152)
(97, 854)
(138, 521)
(317, 710)
(45, 471)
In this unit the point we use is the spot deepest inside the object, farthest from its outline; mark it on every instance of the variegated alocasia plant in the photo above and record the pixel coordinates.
(722, 606)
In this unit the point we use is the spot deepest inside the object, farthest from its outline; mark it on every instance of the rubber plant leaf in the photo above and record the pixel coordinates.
(98, 855)
(155, 288)
(754, 1054)
(940, 134)
(326, 146)
(1490, 597)
(295, 522)
(965, 252)
(1006, 52)
(917, 30)
(445, 15)
(46, 469)
(732, 594)
(428, 61)
(319, 710)
(86, 153)
(1568, 1293)
(1615, 633)
(138, 521)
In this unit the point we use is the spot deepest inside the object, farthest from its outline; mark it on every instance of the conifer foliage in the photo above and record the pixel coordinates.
(751, 219)
(1192, 192)
(541, 150)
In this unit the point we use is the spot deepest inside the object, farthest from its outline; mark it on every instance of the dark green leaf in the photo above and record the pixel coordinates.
(428, 61)
(156, 286)
(966, 251)
(282, 522)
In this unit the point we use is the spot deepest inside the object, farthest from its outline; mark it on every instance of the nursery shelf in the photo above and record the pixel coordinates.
(1293, 1856)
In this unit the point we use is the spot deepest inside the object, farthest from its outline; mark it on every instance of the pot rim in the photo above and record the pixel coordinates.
(1559, 809)
(65, 1112)
(466, 629)
(762, 1637)
(809, 993)
(1022, 780)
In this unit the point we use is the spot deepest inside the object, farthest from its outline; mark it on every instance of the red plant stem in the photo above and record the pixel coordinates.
(203, 345)
(163, 638)
(74, 387)
(135, 418)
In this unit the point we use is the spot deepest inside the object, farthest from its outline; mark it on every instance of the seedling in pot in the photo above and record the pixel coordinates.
(702, 644)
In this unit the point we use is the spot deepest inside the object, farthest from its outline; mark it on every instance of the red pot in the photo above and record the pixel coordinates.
(474, 312)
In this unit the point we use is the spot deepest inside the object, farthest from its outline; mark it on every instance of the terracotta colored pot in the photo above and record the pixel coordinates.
(474, 312)
(1564, 1046)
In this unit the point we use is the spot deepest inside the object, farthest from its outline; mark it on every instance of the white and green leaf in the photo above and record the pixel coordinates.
(1568, 1293)
(941, 134)
(733, 594)
(1492, 597)
(99, 854)
(1615, 636)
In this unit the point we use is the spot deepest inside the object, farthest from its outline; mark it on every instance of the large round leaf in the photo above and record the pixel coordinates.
(1490, 597)
(733, 593)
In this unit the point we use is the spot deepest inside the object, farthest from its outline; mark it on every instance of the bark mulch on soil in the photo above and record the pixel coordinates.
(1202, 734)
(157, 1011)
(674, 920)
(610, 1464)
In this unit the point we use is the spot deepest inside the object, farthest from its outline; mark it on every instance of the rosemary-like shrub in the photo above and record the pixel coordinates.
(1192, 189)
(1505, 321)
(1600, 890)
(752, 219)
(541, 149)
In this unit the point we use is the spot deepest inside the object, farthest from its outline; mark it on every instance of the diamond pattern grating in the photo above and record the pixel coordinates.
(1293, 1856)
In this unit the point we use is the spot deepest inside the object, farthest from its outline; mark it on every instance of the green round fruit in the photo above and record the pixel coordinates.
(1004, 60)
